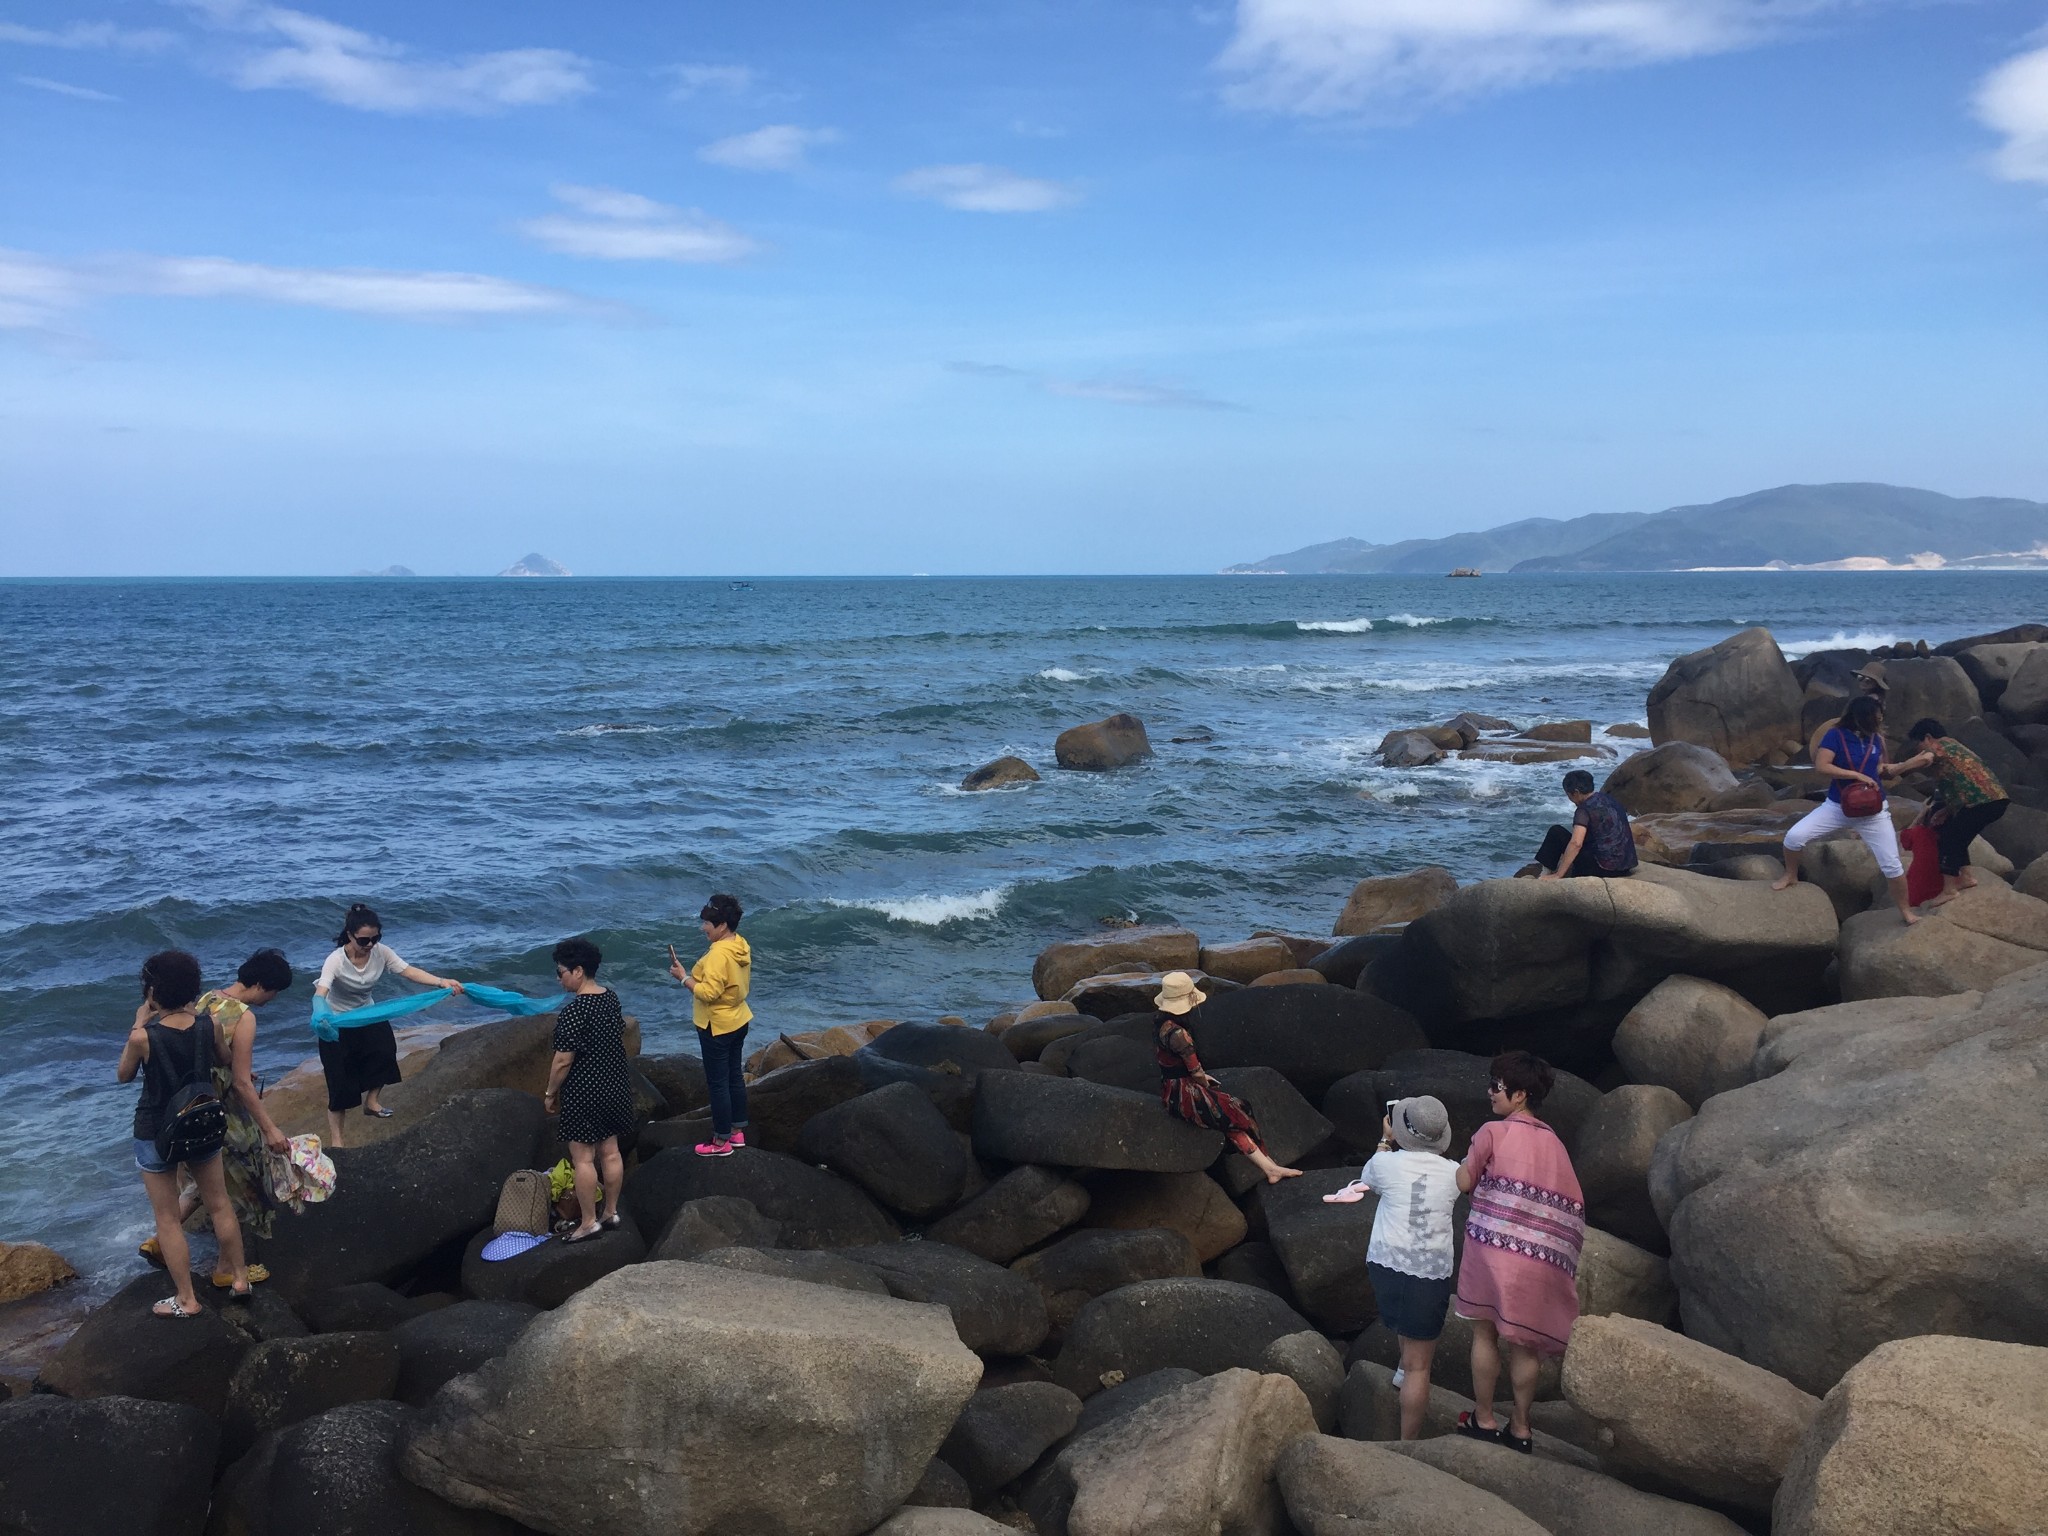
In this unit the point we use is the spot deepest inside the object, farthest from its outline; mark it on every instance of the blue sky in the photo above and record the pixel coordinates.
(1003, 286)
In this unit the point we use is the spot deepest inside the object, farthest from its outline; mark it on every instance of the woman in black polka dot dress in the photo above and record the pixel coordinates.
(590, 1085)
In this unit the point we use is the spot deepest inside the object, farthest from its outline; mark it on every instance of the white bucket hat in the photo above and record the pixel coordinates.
(1178, 993)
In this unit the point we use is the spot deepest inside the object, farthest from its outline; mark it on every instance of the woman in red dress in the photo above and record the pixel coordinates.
(1189, 1091)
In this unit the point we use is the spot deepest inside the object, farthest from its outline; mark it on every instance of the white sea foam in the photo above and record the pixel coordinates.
(1062, 675)
(1862, 640)
(609, 730)
(1334, 626)
(1414, 620)
(933, 911)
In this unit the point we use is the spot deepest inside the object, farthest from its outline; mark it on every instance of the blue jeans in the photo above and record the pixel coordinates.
(724, 1059)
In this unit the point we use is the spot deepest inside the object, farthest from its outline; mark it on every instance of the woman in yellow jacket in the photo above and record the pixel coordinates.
(718, 990)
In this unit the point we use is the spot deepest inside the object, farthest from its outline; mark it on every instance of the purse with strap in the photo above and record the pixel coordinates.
(523, 1204)
(1860, 800)
(195, 1122)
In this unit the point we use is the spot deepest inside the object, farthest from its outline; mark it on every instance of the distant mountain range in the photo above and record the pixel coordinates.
(389, 570)
(535, 565)
(1849, 526)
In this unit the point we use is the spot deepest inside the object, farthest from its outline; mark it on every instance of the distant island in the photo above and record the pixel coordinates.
(389, 570)
(1845, 527)
(535, 565)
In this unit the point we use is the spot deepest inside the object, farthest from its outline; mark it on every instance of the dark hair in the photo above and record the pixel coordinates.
(578, 955)
(723, 910)
(172, 977)
(1862, 716)
(268, 969)
(1522, 1072)
(1578, 782)
(1922, 729)
(359, 916)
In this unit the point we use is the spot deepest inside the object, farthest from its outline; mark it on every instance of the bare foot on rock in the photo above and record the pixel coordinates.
(1784, 882)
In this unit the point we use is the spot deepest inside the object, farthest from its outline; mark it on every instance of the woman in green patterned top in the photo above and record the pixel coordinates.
(1967, 799)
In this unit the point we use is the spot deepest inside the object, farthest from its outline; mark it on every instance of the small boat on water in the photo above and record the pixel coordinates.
(746, 586)
(1466, 570)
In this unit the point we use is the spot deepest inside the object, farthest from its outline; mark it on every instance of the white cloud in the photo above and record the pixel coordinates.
(359, 69)
(87, 34)
(708, 79)
(778, 147)
(61, 88)
(1117, 389)
(36, 292)
(1333, 57)
(2013, 101)
(986, 189)
(624, 226)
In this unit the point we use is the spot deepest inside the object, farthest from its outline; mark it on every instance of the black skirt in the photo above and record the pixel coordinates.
(363, 1060)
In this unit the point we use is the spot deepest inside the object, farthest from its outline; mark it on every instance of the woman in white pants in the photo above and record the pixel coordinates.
(1852, 752)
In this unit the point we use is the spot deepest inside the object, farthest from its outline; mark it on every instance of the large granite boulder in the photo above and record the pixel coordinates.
(1677, 776)
(715, 1221)
(1384, 899)
(114, 1466)
(679, 1078)
(915, 1521)
(397, 1201)
(1247, 959)
(453, 1341)
(895, 1145)
(1350, 1488)
(1196, 1461)
(812, 1266)
(1458, 1080)
(1613, 1155)
(1504, 948)
(1563, 1499)
(282, 1381)
(1617, 1276)
(123, 1350)
(1060, 965)
(337, 1474)
(1190, 1204)
(1409, 749)
(1311, 1035)
(365, 1304)
(1018, 1211)
(1022, 1117)
(1101, 745)
(996, 1311)
(913, 1053)
(1083, 1265)
(779, 1104)
(816, 1209)
(1991, 668)
(548, 1273)
(1737, 697)
(2024, 700)
(697, 1379)
(1694, 1037)
(1289, 1126)
(1921, 686)
(1313, 1364)
(1986, 933)
(1003, 1430)
(1925, 1437)
(2021, 834)
(1895, 1147)
(1204, 1325)
(1322, 1247)
(999, 774)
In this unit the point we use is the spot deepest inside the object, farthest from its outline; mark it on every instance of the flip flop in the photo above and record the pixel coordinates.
(379, 1114)
(245, 1294)
(1350, 1194)
(171, 1307)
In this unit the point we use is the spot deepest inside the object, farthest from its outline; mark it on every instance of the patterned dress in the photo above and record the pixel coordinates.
(1523, 1236)
(241, 1163)
(1182, 1090)
(597, 1095)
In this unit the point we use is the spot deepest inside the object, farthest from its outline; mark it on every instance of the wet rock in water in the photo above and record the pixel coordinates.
(1695, 1037)
(1327, 1482)
(399, 1200)
(282, 1381)
(1083, 1265)
(1384, 899)
(1062, 964)
(1101, 745)
(1931, 1436)
(1323, 1246)
(27, 1269)
(1737, 697)
(1003, 1430)
(123, 1350)
(816, 1209)
(1677, 776)
(779, 1105)
(1409, 749)
(1612, 1159)
(1684, 1412)
(1003, 771)
(1980, 937)
(1313, 1364)
(1560, 730)
(337, 1474)
(454, 1341)
(1191, 1204)
(1565, 1500)
(1946, 1240)
(699, 1378)
(1204, 1325)
(1627, 730)
(812, 1266)
(1289, 1126)
(1246, 960)
(1199, 1459)
(1310, 1035)
(1018, 1211)
(549, 1273)
(895, 1145)
(716, 1221)
(996, 1311)
(1025, 1118)
(114, 1464)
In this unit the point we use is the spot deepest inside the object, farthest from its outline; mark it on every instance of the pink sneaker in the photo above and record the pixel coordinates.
(738, 1138)
(715, 1147)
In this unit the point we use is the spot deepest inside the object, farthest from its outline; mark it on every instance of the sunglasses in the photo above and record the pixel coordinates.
(365, 940)
(1497, 1086)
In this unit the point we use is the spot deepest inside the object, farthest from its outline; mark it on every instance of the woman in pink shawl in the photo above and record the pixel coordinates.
(1518, 1283)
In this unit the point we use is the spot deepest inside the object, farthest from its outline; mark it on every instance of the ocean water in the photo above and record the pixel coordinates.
(494, 765)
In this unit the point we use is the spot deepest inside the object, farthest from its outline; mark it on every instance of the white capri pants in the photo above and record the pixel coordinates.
(1877, 832)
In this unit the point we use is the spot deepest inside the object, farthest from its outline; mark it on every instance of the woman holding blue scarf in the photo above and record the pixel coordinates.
(362, 1059)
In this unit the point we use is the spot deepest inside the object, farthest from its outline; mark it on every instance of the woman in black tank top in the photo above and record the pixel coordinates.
(166, 1048)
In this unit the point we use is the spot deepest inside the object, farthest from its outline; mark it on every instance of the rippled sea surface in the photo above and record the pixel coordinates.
(494, 765)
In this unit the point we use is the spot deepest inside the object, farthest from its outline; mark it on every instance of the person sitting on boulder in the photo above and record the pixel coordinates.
(1410, 1257)
(1599, 843)
(1852, 753)
(1187, 1089)
(1519, 1283)
(1968, 798)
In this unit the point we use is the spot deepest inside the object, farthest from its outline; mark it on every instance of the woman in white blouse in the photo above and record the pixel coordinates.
(364, 1059)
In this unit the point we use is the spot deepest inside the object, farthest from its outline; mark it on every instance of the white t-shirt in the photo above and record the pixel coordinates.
(348, 984)
(1411, 1230)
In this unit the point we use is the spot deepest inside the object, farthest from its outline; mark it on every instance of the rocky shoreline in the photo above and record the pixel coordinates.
(968, 1279)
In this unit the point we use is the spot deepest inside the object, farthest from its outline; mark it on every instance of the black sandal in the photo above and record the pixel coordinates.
(1526, 1444)
(1470, 1427)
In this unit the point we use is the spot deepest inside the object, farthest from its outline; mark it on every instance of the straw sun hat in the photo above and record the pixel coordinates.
(1178, 993)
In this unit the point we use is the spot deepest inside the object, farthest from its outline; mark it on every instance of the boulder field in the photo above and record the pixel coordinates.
(970, 1280)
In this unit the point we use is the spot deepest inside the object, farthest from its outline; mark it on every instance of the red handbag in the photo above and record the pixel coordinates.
(1860, 800)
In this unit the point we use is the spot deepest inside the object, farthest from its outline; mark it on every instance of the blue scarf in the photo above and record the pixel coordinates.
(329, 1021)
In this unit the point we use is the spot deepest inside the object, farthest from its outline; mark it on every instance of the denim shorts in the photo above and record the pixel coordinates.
(1409, 1305)
(146, 1158)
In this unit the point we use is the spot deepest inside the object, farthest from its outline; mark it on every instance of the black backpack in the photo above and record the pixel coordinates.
(195, 1122)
